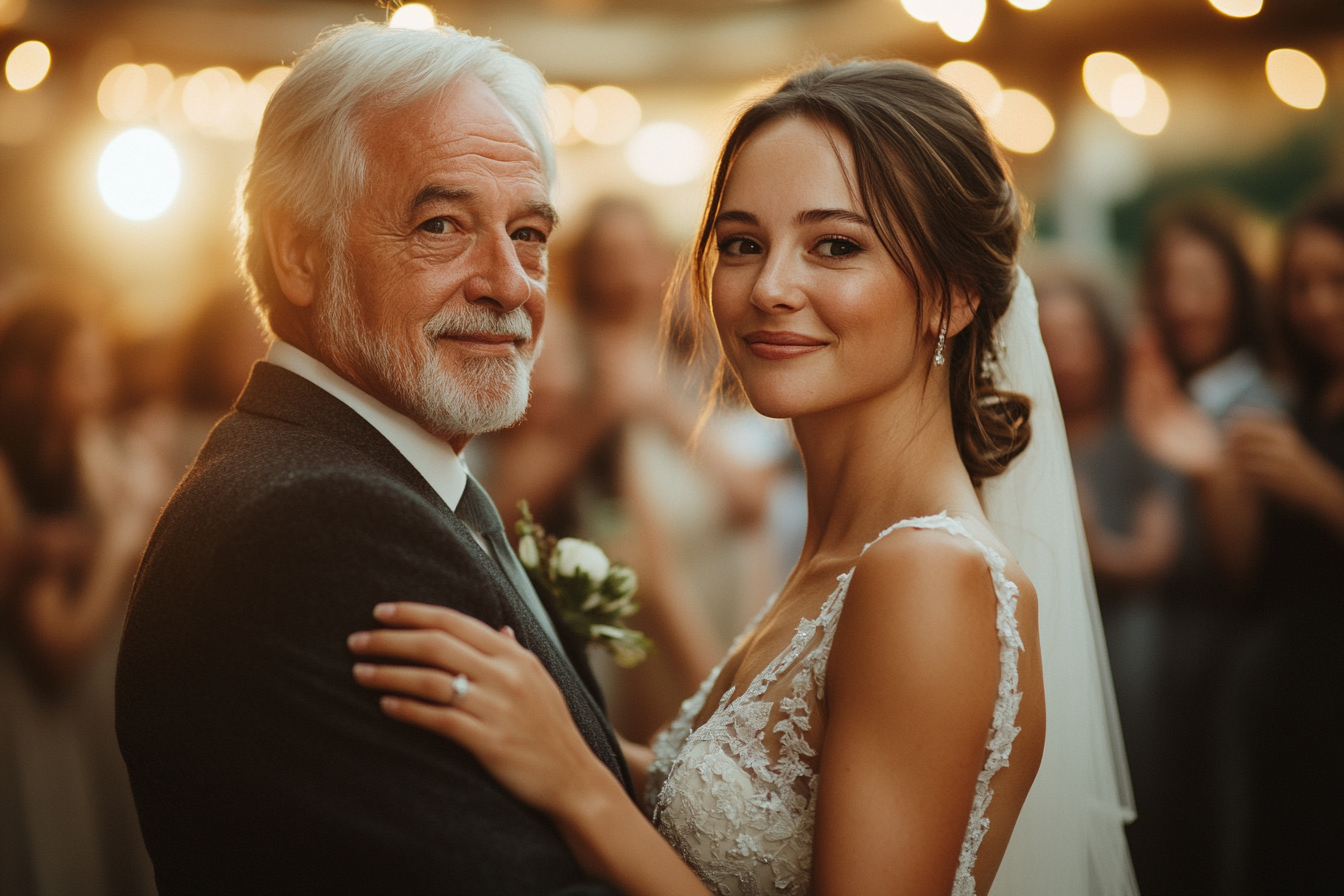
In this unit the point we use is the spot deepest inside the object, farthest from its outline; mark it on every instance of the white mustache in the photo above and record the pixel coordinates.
(468, 320)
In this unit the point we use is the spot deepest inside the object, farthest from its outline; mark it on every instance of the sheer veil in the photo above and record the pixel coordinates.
(1069, 839)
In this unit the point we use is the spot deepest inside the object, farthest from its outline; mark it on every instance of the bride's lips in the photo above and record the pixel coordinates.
(780, 345)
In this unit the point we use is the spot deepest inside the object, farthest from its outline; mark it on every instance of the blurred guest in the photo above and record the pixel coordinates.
(85, 496)
(1199, 364)
(1128, 508)
(218, 348)
(1130, 515)
(604, 454)
(1296, 467)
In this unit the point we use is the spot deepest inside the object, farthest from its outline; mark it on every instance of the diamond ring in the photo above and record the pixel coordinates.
(461, 687)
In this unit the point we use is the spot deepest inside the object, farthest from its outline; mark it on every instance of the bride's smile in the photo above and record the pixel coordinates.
(812, 311)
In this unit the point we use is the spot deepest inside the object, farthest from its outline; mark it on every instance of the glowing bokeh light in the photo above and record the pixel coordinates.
(158, 83)
(1151, 117)
(259, 90)
(122, 92)
(1023, 124)
(1295, 78)
(1237, 9)
(1100, 72)
(132, 92)
(606, 114)
(961, 19)
(667, 153)
(560, 99)
(923, 10)
(1030, 5)
(215, 100)
(413, 17)
(1127, 94)
(139, 174)
(11, 11)
(27, 65)
(976, 81)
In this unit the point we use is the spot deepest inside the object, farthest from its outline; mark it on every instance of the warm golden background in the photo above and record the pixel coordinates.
(1203, 109)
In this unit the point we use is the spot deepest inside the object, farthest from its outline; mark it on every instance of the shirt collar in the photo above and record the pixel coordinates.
(432, 457)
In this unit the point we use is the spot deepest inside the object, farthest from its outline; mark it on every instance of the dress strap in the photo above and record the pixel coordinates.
(1004, 729)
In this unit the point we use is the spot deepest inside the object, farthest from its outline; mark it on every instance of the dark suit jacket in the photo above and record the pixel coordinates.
(258, 765)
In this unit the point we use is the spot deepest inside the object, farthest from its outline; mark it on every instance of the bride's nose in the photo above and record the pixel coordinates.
(778, 289)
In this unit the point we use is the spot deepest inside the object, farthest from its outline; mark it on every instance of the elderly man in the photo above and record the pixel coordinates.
(395, 225)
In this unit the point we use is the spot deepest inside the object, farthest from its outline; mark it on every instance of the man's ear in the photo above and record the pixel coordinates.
(296, 256)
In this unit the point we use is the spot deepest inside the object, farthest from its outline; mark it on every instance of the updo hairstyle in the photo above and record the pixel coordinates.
(941, 201)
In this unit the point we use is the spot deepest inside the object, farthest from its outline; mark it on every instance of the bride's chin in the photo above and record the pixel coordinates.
(775, 405)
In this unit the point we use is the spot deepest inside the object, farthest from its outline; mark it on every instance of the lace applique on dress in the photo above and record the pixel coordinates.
(737, 796)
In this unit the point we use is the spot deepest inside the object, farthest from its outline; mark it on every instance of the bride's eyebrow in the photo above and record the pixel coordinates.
(826, 215)
(736, 217)
(811, 216)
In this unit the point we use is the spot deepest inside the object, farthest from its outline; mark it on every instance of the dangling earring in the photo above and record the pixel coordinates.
(942, 338)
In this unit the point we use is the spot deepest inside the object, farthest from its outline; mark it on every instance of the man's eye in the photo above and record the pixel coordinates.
(435, 225)
(738, 245)
(837, 247)
(529, 235)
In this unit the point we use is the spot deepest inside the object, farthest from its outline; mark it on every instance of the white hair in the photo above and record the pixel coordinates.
(310, 159)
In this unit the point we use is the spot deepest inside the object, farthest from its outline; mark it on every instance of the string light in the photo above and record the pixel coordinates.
(976, 81)
(667, 153)
(1023, 123)
(1237, 9)
(1101, 71)
(1295, 78)
(1152, 114)
(139, 174)
(412, 17)
(27, 65)
(606, 114)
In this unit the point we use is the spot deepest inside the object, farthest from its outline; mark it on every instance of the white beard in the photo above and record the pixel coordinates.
(487, 394)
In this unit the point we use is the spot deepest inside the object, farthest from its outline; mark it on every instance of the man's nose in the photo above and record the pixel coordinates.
(499, 279)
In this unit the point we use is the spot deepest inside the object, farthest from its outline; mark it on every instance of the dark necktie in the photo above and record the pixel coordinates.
(478, 511)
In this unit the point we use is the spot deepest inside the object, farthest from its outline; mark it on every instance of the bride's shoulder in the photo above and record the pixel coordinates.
(936, 582)
(915, 559)
(917, 634)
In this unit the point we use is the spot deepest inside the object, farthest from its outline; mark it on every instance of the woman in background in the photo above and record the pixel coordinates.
(1296, 468)
(1198, 365)
(86, 496)
(1131, 516)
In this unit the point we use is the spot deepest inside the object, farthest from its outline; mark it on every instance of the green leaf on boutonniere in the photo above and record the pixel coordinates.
(593, 594)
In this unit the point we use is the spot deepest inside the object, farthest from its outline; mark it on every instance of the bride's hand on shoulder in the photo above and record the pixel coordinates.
(482, 689)
(509, 713)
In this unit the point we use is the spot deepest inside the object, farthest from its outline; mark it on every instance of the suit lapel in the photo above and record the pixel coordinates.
(273, 391)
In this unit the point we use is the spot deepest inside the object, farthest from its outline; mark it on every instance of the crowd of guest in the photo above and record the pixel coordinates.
(90, 448)
(1208, 445)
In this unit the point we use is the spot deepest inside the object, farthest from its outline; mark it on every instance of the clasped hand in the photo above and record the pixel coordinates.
(511, 715)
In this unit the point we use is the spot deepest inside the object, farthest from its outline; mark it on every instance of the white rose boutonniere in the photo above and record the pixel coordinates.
(594, 595)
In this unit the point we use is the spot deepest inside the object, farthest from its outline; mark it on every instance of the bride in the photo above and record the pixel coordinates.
(880, 725)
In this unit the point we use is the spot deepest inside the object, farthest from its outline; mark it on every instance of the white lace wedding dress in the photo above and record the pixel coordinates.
(737, 795)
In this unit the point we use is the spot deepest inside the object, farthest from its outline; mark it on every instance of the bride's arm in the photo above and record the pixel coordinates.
(911, 684)
(515, 721)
